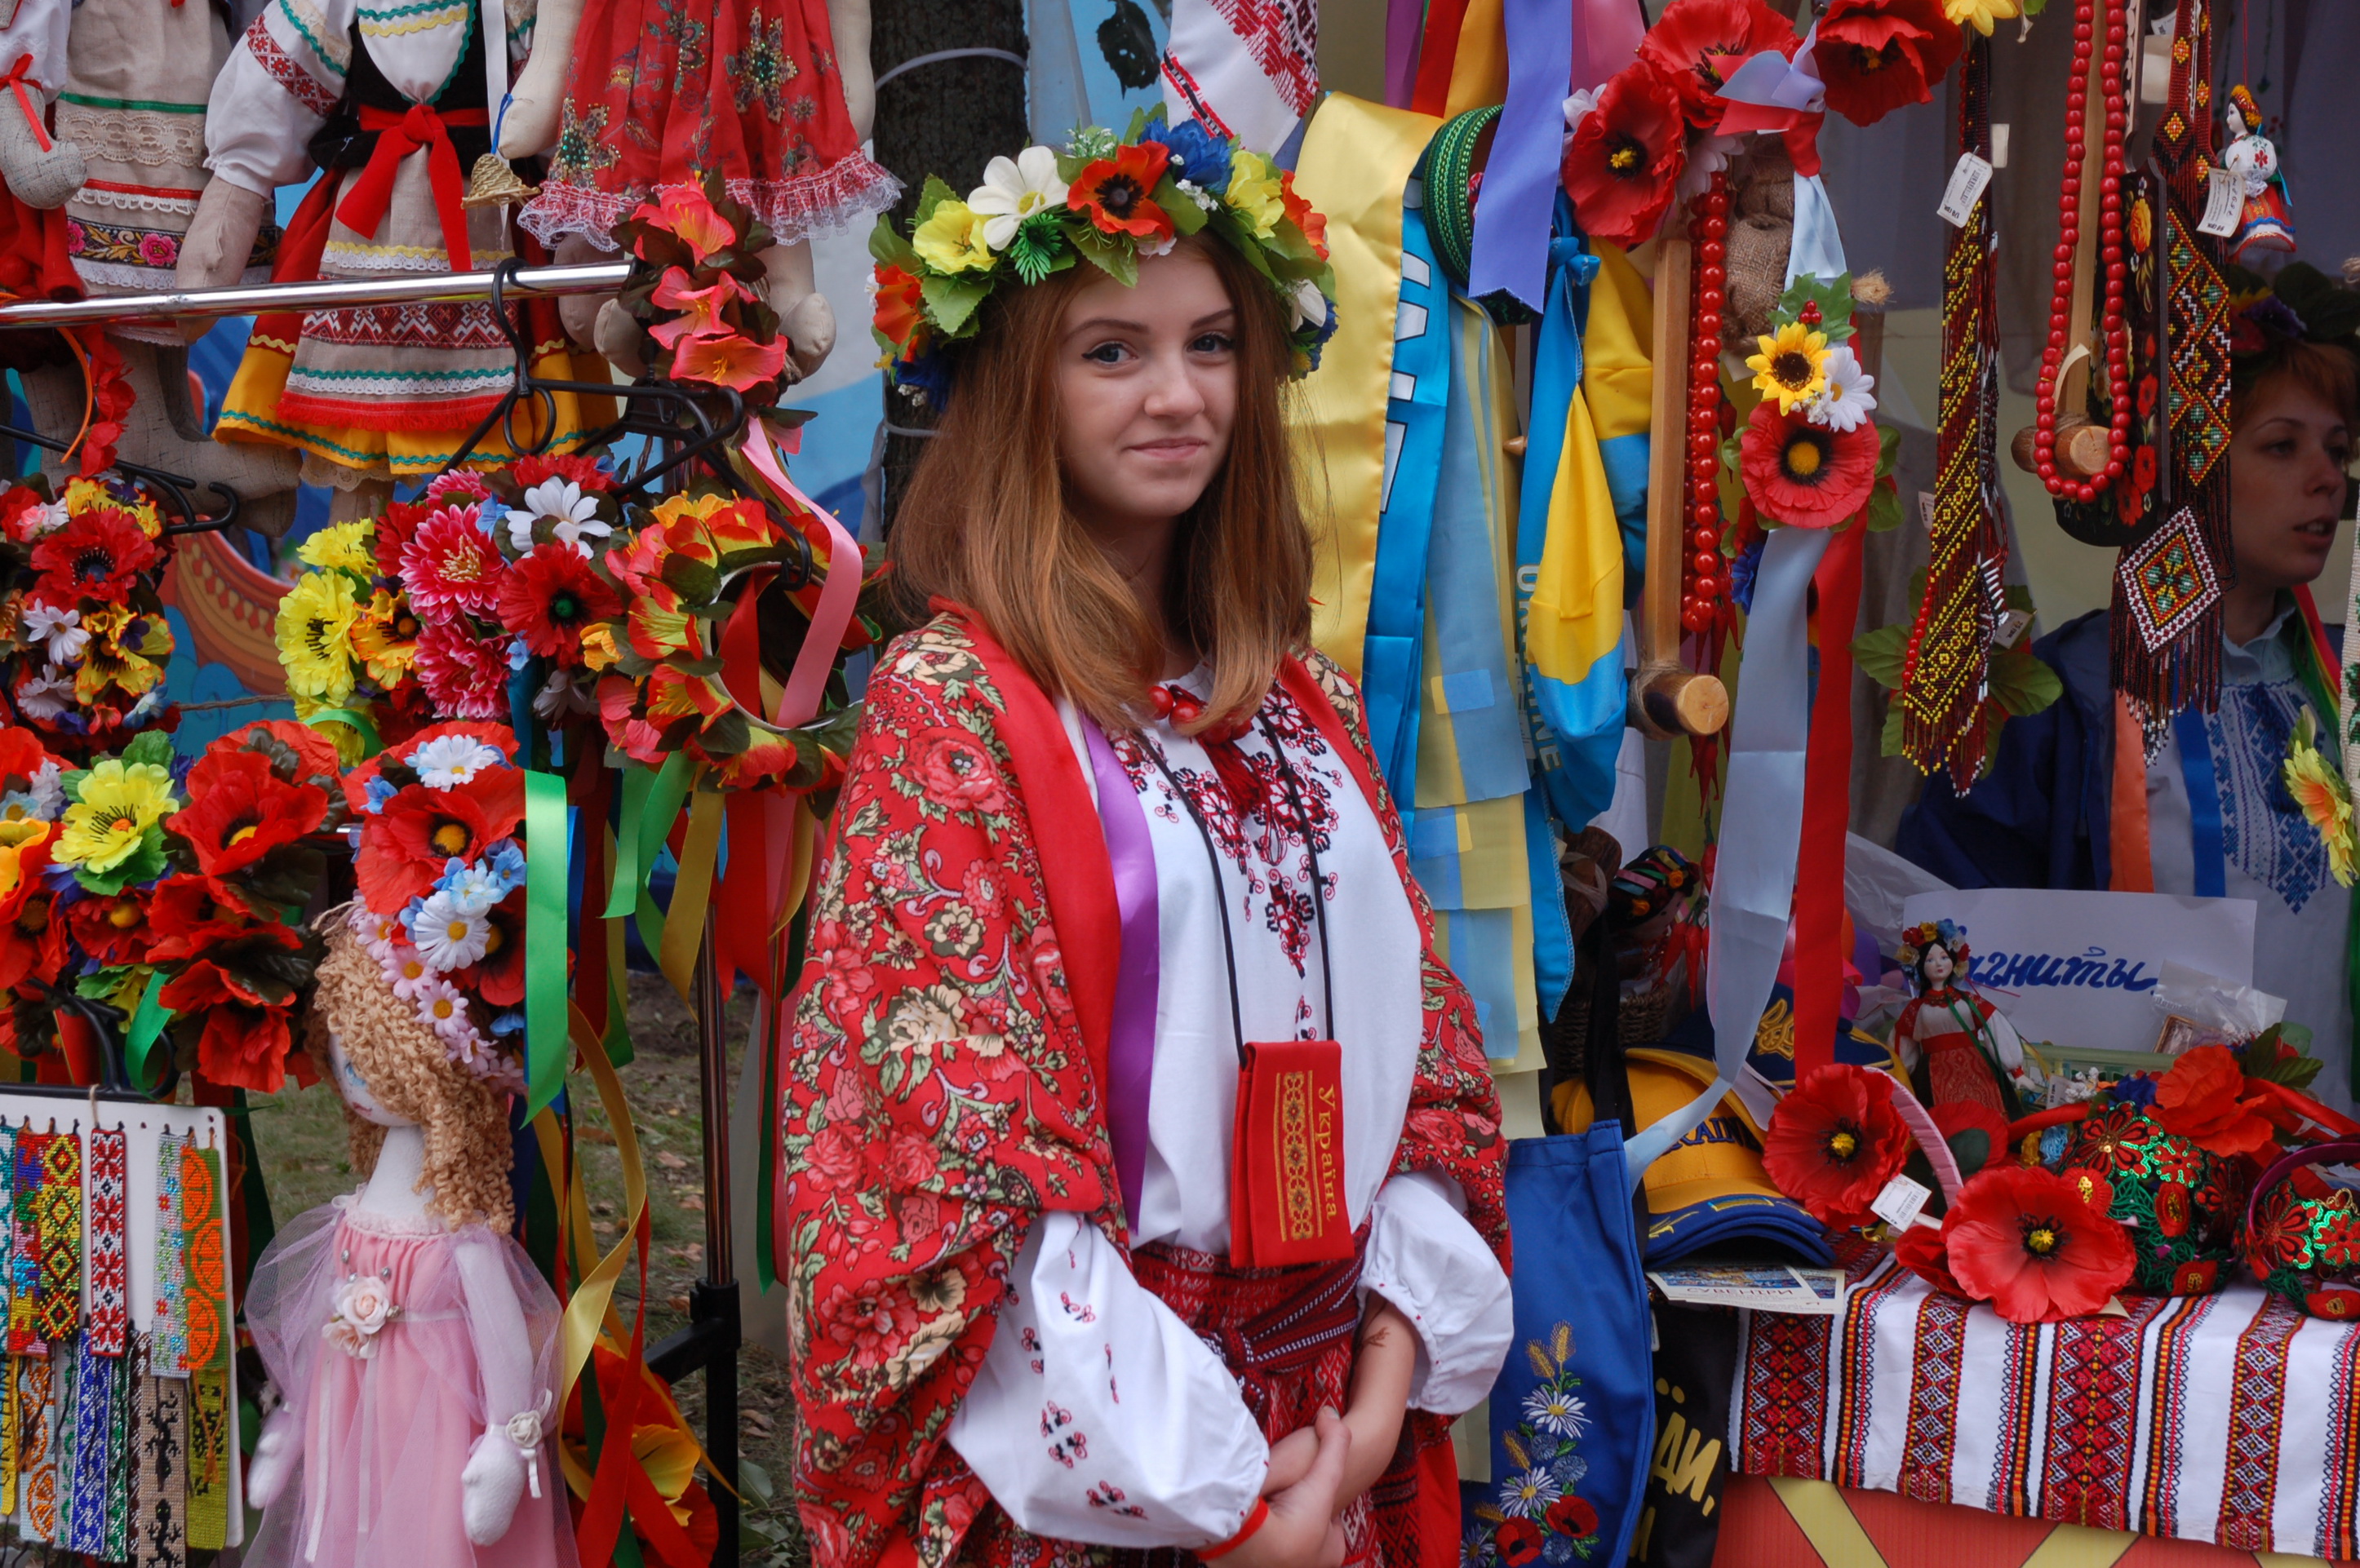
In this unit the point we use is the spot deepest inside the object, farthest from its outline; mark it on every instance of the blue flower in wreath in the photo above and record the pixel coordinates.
(1202, 158)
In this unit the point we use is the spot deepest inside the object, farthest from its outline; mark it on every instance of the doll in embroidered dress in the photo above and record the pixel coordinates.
(390, 99)
(1956, 1045)
(629, 98)
(410, 1337)
(2265, 221)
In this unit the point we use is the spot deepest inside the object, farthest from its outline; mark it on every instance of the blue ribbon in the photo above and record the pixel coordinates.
(1511, 250)
(2203, 804)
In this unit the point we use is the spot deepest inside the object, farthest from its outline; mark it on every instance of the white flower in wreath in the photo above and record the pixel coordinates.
(1014, 189)
(61, 629)
(572, 515)
(1847, 402)
(358, 1311)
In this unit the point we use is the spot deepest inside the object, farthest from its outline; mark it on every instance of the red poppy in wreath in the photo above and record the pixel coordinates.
(1956, 1116)
(1697, 45)
(499, 977)
(245, 1040)
(1923, 1250)
(2036, 1245)
(112, 930)
(1625, 159)
(97, 555)
(403, 847)
(2203, 1098)
(1116, 194)
(186, 916)
(1803, 474)
(239, 810)
(901, 312)
(1877, 56)
(548, 596)
(1834, 1141)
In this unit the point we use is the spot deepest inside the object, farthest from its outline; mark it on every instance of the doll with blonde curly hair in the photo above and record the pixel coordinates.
(409, 1335)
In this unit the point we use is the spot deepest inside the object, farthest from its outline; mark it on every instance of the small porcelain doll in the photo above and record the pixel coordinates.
(2267, 222)
(409, 1336)
(1956, 1045)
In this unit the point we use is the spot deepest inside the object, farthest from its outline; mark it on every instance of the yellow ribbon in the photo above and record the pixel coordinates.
(683, 930)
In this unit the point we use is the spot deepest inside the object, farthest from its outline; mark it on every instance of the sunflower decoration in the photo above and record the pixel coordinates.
(1810, 456)
(1106, 200)
(83, 642)
(2320, 793)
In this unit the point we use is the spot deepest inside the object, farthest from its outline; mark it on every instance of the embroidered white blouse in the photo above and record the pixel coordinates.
(1097, 1416)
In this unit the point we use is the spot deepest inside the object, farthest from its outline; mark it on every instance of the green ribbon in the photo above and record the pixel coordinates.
(651, 803)
(354, 718)
(545, 938)
(146, 1024)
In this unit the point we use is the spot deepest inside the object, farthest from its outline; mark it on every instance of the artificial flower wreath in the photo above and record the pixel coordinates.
(1105, 201)
(84, 641)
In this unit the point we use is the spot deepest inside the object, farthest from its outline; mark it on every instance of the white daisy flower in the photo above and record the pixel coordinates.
(1307, 305)
(448, 935)
(1528, 1493)
(48, 791)
(1846, 404)
(574, 517)
(61, 629)
(1015, 190)
(1557, 1410)
(46, 695)
(407, 972)
(447, 761)
(444, 1009)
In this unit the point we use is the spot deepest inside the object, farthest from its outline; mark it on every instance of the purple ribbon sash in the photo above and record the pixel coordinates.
(1131, 1050)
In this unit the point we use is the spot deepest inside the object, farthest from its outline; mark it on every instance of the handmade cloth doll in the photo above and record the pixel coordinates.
(627, 98)
(391, 102)
(412, 1339)
(1956, 1045)
(2266, 223)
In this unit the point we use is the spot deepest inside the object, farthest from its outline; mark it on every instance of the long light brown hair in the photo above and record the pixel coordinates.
(986, 522)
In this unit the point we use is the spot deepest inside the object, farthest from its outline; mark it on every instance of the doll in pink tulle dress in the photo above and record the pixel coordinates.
(410, 1339)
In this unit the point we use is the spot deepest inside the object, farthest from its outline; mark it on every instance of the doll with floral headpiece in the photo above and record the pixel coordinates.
(2266, 223)
(1956, 1045)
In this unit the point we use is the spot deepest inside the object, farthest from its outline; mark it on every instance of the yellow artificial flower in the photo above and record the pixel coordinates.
(86, 494)
(351, 747)
(128, 651)
(1254, 192)
(1981, 13)
(951, 239)
(341, 547)
(120, 801)
(671, 508)
(315, 625)
(384, 639)
(2326, 803)
(1792, 366)
(598, 650)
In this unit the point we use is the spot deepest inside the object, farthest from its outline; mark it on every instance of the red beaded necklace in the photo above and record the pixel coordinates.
(2113, 326)
(1183, 707)
(1706, 577)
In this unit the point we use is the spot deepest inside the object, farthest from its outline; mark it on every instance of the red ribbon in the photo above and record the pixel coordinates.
(16, 79)
(1827, 804)
(399, 136)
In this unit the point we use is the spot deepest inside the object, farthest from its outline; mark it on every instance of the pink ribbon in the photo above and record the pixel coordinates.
(1130, 1045)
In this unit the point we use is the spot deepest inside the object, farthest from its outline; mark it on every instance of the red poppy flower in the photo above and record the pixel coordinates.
(239, 810)
(97, 555)
(1955, 1117)
(33, 940)
(186, 916)
(1804, 475)
(1834, 1141)
(499, 977)
(111, 930)
(1697, 45)
(464, 675)
(2203, 1098)
(404, 846)
(1303, 214)
(548, 596)
(901, 312)
(22, 756)
(585, 472)
(451, 565)
(1625, 158)
(245, 1040)
(1923, 1251)
(1876, 56)
(2036, 1245)
(1519, 1540)
(1118, 193)
(1571, 1516)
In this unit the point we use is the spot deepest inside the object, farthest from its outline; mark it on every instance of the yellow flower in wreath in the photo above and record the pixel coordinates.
(120, 801)
(952, 239)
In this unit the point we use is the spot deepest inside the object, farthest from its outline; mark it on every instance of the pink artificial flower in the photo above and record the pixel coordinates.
(731, 360)
(682, 210)
(465, 675)
(451, 565)
(702, 306)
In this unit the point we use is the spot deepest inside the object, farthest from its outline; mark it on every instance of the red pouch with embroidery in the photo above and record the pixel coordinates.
(1286, 1162)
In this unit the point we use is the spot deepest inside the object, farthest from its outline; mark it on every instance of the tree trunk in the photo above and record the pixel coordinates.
(948, 118)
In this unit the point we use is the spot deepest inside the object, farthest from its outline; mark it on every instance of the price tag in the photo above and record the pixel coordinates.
(1999, 144)
(2010, 629)
(2223, 206)
(1926, 509)
(1966, 188)
(1901, 1202)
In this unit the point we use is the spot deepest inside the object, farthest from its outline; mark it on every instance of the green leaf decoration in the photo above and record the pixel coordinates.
(1185, 215)
(1884, 508)
(1039, 249)
(888, 245)
(1881, 653)
(1971, 1147)
(1833, 298)
(151, 746)
(1889, 740)
(954, 298)
(933, 196)
(2021, 683)
(1111, 254)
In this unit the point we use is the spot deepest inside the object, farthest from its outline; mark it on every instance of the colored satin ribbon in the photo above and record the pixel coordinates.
(2204, 836)
(1130, 1045)
(16, 81)
(547, 938)
(1520, 182)
(1761, 827)
(1826, 808)
(420, 125)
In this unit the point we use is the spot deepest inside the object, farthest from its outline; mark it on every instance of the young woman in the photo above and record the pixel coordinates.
(2219, 819)
(1111, 830)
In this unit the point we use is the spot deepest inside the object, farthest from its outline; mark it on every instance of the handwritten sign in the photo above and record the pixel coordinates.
(2079, 969)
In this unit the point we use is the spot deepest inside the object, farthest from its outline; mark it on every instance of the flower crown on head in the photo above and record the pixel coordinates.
(1949, 934)
(2298, 303)
(1105, 201)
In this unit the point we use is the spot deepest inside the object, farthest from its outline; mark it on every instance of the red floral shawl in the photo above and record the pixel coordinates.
(940, 1068)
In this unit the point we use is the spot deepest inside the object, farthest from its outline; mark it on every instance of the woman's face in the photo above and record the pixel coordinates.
(2286, 483)
(1936, 965)
(1147, 390)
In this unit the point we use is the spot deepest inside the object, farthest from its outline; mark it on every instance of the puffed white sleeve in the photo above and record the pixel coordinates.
(1425, 1259)
(282, 81)
(1096, 1415)
(38, 29)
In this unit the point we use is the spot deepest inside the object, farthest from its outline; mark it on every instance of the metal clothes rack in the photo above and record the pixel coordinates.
(690, 434)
